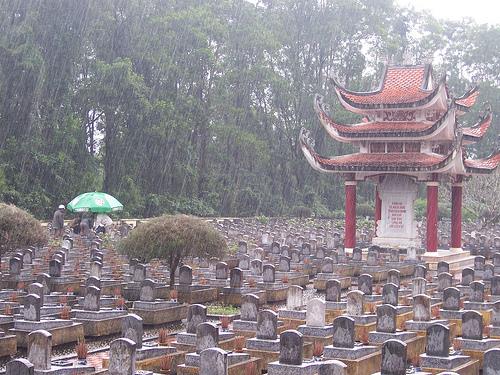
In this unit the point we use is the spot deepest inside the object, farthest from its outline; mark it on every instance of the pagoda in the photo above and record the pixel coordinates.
(409, 134)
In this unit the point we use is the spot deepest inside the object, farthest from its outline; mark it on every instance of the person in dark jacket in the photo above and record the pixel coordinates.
(58, 221)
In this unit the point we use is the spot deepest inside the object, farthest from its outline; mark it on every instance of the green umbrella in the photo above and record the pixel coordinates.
(94, 202)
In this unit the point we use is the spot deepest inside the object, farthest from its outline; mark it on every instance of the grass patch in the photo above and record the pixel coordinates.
(222, 310)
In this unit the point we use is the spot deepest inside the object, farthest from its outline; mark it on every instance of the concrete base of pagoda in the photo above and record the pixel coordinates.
(395, 242)
(458, 259)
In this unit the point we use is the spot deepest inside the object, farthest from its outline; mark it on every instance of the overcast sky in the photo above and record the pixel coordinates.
(482, 11)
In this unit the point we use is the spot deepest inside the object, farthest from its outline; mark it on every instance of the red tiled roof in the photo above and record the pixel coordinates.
(401, 84)
(486, 164)
(480, 129)
(378, 129)
(366, 160)
(469, 98)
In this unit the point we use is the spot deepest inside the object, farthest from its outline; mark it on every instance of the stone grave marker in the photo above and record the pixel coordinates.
(207, 336)
(236, 278)
(91, 301)
(256, 267)
(443, 266)
(438, 340)
(268, 273)
(386, 318)
(445, 280)
(122, 357)
(267, 325)
(249, 307)
(214, 361)
(294, 298)
(390, 294)
(291, 345)
(333, 290)
(20, 366)
(40, 349)
(394, 276)
(32, 307)
(421, 308)
(355, 303)
(451, 299)
(196, 315)
(36, 288)
(343, 332)
(476, 291)
(185, 275)
(467, 276)
(284, 264)
(315, 314)
(132, 329)
(393, 358)
(420, 271)
(365, 284)
(419, 286)
(491, 363)
(55, 268)
(148, 291)
(244, 262)
(140, 272)
(472, 325)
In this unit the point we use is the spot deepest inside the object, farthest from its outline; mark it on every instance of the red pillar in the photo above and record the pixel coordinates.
(432, 215)
(378, 208)
(456, 214)
(350, 214)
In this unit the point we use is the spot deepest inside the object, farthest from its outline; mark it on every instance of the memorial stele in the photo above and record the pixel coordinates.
(409, 134)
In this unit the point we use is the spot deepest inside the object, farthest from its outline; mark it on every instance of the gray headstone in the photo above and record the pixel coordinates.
(139, 273)
(185, 275)
(55, 268)
(495, 285)
(489, 271)
(421, 308)
(267, 325)
(327, 265)
(451, 299)
(244, 262)
(357, 254)
(394, 256)
(393, 358)
(315, 314)
(236, 278)
(268, 274)
(207, 336)
(20, 366)
(214, 361)
(15, 266)
(148, 291)
(221, 271)
(445, 280)
(355, 303)
(132, 329)
(249, 307)
(122, 357)
(472, 325)
(476, 291)
(40, 349)
(390, 293)
(419, 286)
(333, 290)
(343, 332)
(294, 298)
(36, 288)
(32, 306)
(438, 340)
(256, 267)
(45, 280)
(479, 262)
(495, 315)
(420, 271)
(291, 345)
(365, 284)
(284, 264)
(491, 363)
(196, 315)
(394, 276)
(92, 300)
(386, 318)
(467, 276)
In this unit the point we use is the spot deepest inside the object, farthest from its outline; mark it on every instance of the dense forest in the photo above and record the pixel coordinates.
(196, 105)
